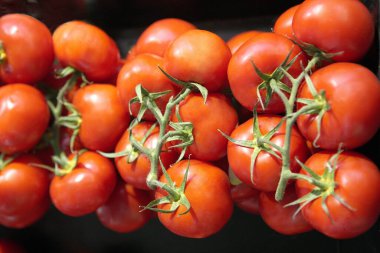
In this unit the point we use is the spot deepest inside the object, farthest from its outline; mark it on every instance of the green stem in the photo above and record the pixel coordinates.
(3, 55)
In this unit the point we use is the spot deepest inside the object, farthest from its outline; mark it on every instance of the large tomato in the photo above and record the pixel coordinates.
(353, 95)
(239, 39)
(267, 169)
(122, 211)
(207, 118)
(143, 69)
(337, 26)
(199, 56)
(88, 49)
(24, 117)
(356, 182)
(103, 116)
(27, 49)
(208, 191)
(267, 51)
(86, 187)
(284, 22)
(160, 34)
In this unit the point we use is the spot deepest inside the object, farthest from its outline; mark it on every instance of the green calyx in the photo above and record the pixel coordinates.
(5, 160)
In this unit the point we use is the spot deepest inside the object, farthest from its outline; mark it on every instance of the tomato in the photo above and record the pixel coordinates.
(156, 38)
(267, 51)
(236, 41)
(135, 173)
(9, 246)
(280, 218)
(122, 212)
(24, 192)
(337, 26)
(28, 48)
(283, 24)
(356, 182)
(199, 56)
(24, 117)
(103, 116)
(207, 119)
(246, 198)
(353, 95)
(143, 69)
(267, 167)
(86, 187)
(88, 49)
(208, 191)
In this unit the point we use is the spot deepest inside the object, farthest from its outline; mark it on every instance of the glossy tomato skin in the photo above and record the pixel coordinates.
(239, 39)
(353, 93)
(246, 198)
(104, 117)
(357, 183)
(156, 38)
(122, 211)
(267, 167)
(88, 49)
(143, 69)
(281, 218)
(267, 51)
(86, 187)
(199, 56)
(135, 173)
(24, 117)
(28, 46)
(330, 26)
(284, 22)
(207, 119)
(208, 191)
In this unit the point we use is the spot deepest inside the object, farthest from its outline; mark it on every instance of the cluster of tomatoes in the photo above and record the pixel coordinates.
(89, 131)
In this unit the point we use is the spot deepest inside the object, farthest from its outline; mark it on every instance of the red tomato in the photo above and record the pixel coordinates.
(28, 48)
(86, 187)
(239, 39)
(207, 118)
(267, 51)
(353, 94)
(143, 69)
(208, 191)
(246, 198)
(267, 167)
(337, 26)
(135, 172)
(23, 188)
(88, 49)
(159, 35)
(122, 211)
(280, 218)
(24, 117)
(283, 24)
(199, 56)
(103, 116)
(356, 182)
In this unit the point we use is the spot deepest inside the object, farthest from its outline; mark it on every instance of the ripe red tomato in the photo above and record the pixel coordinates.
(143, 69)
(159, 35)
(280, 218)
(104, 117)
(122, 211)
(353, 94)
(208, 191)
(199, 56)
(356, 182)
(239, 39)
(283, 24)
(28, 49)
(135, 173)
(207, 118)
(88, 49)
(267, 51)
(86, 187)
(267, 167)
(246, 198)
(337, 26)
(24, 117)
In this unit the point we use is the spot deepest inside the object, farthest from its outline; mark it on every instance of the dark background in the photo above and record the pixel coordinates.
(124, 21)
